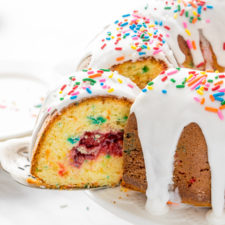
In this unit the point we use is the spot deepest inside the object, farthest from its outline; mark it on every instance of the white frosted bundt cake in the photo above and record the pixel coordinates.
(173, 138)
(178, 139)
(166, 33)
(78, 139)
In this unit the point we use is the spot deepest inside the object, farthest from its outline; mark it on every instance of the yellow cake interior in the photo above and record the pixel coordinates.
(142, 71)
(52, 163)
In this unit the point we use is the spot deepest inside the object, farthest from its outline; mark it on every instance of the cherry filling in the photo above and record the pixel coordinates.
(92, 144)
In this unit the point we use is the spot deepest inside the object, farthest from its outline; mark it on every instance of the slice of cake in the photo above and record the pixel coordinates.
(78, 139)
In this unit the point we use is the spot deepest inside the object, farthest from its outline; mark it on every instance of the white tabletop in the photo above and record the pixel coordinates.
(52, 33)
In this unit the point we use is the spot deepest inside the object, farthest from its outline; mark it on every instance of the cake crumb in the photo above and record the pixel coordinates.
(123, 189)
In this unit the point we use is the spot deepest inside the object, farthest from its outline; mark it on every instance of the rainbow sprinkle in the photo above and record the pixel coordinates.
(141, 30)
(198, 82)
(90, 78)
(188, 10)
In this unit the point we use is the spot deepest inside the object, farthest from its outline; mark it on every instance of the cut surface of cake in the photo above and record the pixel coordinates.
(78, 139)
(178, 140)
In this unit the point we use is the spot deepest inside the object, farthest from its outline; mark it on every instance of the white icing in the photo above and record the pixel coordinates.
(106, 57)
(214, 219)
(113, 81)
(156, 207)
(160, 123)
(175, 195)
(208, 29)
(212, 24)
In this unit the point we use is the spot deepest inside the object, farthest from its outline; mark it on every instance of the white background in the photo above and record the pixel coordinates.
(53, 33)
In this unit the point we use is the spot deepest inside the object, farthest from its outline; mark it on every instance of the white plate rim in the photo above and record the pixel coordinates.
(131, 218)
(27, 70)
(123, 208)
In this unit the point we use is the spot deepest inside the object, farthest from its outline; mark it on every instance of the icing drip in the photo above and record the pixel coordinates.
(206, 53)
(171, 104)
(215, 219)
(81, 85)
(132, 37)
(188, 19)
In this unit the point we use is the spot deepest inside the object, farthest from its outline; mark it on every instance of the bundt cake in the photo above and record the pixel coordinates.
(173, 137)
(78, 139)
(165, 33)
(177, 139)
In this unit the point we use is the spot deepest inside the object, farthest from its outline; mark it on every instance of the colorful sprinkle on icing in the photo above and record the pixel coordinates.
(188, 11)
(201, 83)
(87, 82)
(143, 33)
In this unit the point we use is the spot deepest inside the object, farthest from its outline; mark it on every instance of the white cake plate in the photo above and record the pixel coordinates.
(14, 158)
(130, 206)
(23, 87)
(32, 206)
